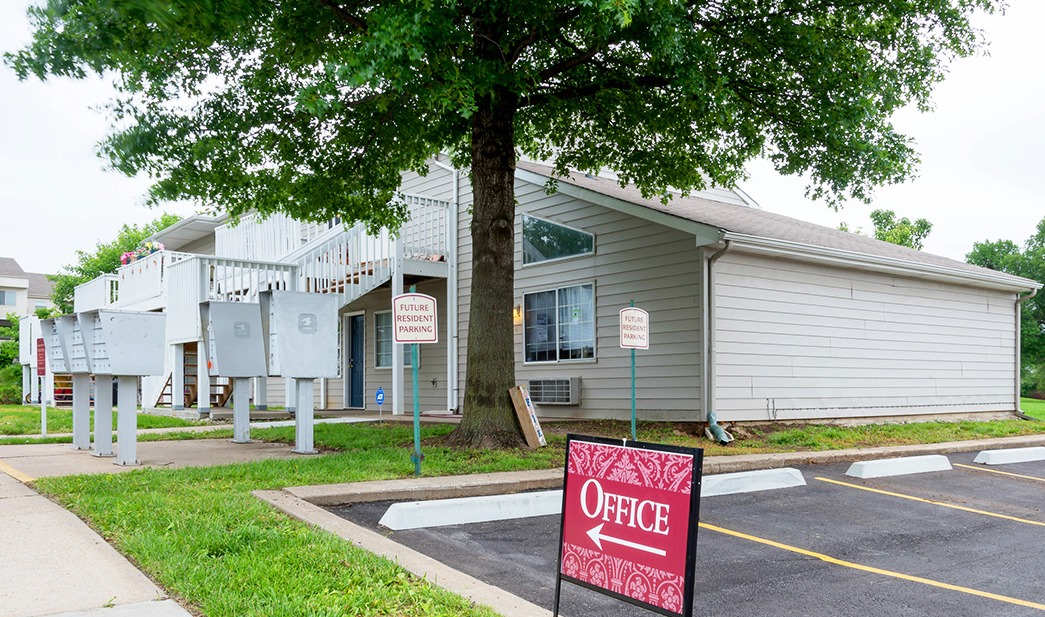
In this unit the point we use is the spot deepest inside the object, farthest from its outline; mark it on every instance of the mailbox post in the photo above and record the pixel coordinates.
(300, 334)
(56, 360)
(235, 348)
(71, 340)
(128, 345)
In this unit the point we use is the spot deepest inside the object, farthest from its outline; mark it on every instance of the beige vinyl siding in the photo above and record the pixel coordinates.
(660, 269)
(799, 340)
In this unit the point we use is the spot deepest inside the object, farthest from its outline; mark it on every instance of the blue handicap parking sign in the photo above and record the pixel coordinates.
(380, 396)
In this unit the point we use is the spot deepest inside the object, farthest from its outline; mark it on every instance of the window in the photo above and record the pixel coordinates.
(383, 342)
(559, 324)
(8, 298)
(544, 240)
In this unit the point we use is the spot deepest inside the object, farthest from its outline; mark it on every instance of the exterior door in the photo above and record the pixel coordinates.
(356, 360)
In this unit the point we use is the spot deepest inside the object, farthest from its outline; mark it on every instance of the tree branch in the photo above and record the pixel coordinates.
(344, 15)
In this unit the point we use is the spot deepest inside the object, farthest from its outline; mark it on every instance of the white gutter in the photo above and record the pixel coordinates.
(1019, 324)
(879, 263)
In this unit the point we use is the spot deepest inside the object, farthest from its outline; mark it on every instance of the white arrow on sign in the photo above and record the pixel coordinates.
(596, 535)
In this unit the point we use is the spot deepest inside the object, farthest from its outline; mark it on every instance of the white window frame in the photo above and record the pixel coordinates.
(558, 325)
(14, 297)
(391, 339)
(522, 240)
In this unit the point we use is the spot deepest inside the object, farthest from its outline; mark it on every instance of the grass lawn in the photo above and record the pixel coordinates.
(1033, 407)
(201, 534)
(25, 420)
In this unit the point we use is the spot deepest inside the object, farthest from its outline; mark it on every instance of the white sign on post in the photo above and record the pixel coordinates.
(414, 319)
(634, 328)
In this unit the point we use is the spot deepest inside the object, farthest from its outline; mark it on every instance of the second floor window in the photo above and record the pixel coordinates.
(544, 241)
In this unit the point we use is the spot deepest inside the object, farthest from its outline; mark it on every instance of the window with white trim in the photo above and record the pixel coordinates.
(384, 343)
(559, 324)
(544, 241)
(8, 298)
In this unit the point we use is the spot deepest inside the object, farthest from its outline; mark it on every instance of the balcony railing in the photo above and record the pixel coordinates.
(425, 235)
(98, 293)
(201, 278)
(142, 282)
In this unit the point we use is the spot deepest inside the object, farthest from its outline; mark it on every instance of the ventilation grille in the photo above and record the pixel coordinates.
(556, 391)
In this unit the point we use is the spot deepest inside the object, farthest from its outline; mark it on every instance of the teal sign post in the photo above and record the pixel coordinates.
(634, 334)
(415, 322)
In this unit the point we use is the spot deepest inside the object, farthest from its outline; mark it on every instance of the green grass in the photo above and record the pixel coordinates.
(202, 535)
(1033, 407)
(25, 420)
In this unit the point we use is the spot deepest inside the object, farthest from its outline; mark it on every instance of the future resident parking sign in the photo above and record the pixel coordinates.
(629, 522)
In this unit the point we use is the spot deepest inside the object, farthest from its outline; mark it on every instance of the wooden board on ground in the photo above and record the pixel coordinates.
(531, 426)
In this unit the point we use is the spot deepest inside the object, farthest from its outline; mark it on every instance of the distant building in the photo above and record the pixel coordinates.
(22, 292)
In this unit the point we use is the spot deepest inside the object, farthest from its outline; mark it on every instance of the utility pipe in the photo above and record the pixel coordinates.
(713, 431)
(1019, 324)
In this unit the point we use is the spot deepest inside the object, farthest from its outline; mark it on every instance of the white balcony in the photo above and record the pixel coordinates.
(96, 294)
(201, 278)
(142, 283)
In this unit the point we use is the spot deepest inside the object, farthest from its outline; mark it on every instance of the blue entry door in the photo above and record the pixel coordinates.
(356, 360)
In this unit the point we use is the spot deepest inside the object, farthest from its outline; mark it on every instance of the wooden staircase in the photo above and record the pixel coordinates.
(63, 390)
(220, 389)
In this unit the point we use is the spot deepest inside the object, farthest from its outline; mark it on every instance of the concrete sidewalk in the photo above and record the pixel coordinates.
(54, 564)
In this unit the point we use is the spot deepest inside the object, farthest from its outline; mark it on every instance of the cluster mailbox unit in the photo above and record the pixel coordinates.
(67, 355)
(300, 333)
(126, 345)
(234, 347)
(106, 343)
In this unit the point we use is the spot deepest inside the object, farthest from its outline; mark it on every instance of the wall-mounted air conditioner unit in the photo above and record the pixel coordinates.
(561, 391)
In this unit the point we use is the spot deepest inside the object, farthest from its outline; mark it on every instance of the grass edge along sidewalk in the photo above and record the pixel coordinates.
(202, 535)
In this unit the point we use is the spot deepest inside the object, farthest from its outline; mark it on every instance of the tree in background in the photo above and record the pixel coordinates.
(902, 232)
(315, 108)
(10, 370)
(1006, 256)
(105, 259)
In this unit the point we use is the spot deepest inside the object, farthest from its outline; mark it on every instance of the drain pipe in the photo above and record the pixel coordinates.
(1019, 324)
(714, 431)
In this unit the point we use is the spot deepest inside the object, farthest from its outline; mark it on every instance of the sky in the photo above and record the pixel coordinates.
(981, 177)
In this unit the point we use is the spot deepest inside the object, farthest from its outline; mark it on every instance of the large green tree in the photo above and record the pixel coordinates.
(902, 231)
(315, 107)
(104, 259)
(1006, 256)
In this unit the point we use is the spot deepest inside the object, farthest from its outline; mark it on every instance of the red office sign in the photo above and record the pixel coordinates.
(41, 357)
(629, 522)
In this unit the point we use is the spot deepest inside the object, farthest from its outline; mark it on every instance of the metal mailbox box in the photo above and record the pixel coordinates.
(233, 339)
(53, 344)
(130, 343)
(68, 327)
(300, 332)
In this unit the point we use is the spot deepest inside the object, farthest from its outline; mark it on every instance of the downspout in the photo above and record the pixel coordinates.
(1019, 324)
(451, 301)
(713, 430)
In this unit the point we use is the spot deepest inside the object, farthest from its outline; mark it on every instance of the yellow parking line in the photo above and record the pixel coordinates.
(935, 503)
(14, 473)
(1002, 473)
(873, 570)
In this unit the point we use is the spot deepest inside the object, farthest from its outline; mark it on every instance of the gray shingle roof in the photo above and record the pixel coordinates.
(39, 285)
(10, 267)
(755, 222)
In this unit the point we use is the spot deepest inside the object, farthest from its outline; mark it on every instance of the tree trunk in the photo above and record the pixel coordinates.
(488, 419)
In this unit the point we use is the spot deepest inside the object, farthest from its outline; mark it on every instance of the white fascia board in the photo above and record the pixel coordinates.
(705, 234)
(878, 263)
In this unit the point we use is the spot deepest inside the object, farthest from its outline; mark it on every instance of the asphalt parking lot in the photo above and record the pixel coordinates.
(970, 541)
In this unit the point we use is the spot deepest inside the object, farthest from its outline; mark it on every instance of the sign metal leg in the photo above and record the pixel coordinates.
(241, 410)
(127, 421)
(304, 422)
(81, 411)
(103, 416)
